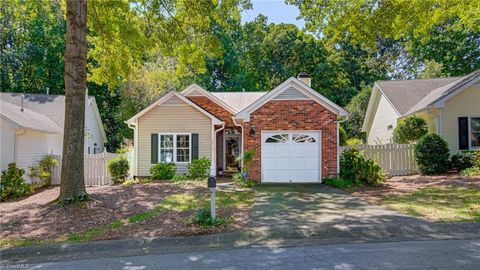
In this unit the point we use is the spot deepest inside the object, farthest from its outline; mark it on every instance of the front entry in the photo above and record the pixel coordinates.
(232, 146)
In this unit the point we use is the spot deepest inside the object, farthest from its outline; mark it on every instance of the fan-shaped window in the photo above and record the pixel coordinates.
(279, 138)
(302, 138)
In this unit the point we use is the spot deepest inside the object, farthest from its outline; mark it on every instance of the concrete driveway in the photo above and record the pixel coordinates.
(324, 213)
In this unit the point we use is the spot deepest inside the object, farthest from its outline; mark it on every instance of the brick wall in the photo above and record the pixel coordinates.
(294, 115)
(214, 109)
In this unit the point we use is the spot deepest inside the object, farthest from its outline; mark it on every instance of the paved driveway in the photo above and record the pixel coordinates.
(321, 212)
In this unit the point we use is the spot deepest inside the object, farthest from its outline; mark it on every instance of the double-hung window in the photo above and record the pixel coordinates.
(175, 148)
(474, 132)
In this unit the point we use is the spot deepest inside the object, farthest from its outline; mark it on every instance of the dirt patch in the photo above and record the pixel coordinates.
(400, 185)
(36, 217)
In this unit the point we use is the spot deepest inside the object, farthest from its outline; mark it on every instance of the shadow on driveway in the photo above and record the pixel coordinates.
(324, 213)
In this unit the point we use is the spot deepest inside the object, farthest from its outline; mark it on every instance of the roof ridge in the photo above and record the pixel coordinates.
(425, 79)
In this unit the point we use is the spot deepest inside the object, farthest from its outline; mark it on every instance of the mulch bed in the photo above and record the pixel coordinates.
(400, 185)
(38, 218)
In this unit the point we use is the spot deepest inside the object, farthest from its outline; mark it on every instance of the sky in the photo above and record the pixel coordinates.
(276, 11)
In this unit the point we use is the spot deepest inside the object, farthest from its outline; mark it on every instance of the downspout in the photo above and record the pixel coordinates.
(135, 150)
(213, 169)
(241, 148)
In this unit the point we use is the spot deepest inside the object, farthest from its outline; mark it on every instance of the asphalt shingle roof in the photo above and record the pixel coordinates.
(238, 100)
(41, 112)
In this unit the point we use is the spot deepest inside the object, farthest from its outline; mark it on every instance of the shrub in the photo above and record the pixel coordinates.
(202, 217)
(354, 166)
(247, 159)
(410, 130)
(341, 183)
(179, 178)
(462, 160)
(12, 184)
(432, 154)
(342, 134)
(118, 168)
(163, 171)
(240, 180)
(130, 182)
(354, 141)
(472, 171)
(199, 168)
(476, 160)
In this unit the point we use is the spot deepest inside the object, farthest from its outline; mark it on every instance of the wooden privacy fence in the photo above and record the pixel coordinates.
(95, 168)
(395, 159)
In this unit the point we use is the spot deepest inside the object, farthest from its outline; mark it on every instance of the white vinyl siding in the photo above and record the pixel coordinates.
(464, 104)
(171, 119)
(384, 121)
(7, 137)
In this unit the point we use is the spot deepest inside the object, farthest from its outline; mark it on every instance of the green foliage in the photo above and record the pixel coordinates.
(129, 182)
(12, 184)
(179, 178)
(343, 136)
(79, 198)
(199, 168)
(354, 141)
(118, 168)
(472, 171)
(432, 154)
(163, 171)
(243, 182)
(357, 108)
(410, 130)
(203, 218)
(345, 184)
(354, 167)
(462, 160)
(247, 159)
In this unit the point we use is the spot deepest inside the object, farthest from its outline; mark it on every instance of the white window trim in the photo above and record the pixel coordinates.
(175, 147)
(470, 147)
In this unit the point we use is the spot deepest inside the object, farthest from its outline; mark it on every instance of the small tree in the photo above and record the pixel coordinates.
(342, 136)
(410, 130)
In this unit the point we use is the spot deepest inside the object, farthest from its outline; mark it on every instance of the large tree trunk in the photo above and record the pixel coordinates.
(72, 181)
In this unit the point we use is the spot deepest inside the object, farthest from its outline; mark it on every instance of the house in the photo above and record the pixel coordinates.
(451, 107)
(293, 128)
(32, 126)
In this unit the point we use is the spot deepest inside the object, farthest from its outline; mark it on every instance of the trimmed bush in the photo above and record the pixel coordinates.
(432, 154)
(354, 166)
(410, 130)
(12, 184)
(163, 171)
(203, 218)
(118, 168)
(342, 134)
(199, 168)
(462, 160)
(472, 171)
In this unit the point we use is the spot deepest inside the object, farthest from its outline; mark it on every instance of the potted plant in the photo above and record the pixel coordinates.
(220, 171)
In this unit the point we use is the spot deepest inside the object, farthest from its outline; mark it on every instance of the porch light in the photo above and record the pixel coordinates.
(252, 132)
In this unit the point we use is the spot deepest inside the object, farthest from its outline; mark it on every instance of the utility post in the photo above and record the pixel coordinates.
(212, 184)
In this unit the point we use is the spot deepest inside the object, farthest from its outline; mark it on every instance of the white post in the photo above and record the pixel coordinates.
(212, 204)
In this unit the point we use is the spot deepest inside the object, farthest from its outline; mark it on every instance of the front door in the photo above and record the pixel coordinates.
(232, 150)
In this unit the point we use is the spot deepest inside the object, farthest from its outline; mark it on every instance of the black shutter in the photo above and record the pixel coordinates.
(463, 133)
(154, 148)
(194, 146)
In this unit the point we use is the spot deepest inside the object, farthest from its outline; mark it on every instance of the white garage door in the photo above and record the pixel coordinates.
(290, 157)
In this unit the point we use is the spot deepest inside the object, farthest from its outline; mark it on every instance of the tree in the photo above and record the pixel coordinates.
(72, 186)
(410, 130)
(357, 108)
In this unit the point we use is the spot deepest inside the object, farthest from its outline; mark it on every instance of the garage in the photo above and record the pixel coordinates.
(291, 156)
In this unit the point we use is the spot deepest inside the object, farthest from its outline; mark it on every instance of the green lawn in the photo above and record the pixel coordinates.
(442, 204)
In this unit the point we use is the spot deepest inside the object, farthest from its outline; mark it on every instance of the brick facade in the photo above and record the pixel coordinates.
(293, 115)
(214, 109)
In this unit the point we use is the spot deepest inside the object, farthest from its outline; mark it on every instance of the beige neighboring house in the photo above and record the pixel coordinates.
(31, 126)
(451, 107)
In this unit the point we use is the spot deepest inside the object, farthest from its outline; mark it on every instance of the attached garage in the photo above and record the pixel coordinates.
(291, 156)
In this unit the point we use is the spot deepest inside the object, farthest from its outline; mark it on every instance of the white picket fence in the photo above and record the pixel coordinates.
(395, 159)
(95, 168)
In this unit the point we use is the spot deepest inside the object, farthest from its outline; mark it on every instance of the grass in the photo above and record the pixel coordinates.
(442, 204)
(19, 242)
(93, 233)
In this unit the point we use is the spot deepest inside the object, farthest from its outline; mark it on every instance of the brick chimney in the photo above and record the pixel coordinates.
(305, 78)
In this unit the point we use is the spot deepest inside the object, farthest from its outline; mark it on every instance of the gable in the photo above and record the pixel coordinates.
(291, 89)
(291, 93)
(173, 99)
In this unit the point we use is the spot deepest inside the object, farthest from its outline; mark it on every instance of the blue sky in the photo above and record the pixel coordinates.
(276, 11)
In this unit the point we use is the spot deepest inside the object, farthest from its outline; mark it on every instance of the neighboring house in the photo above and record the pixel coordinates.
(293, 128)
(32, 126)
(451, 107)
